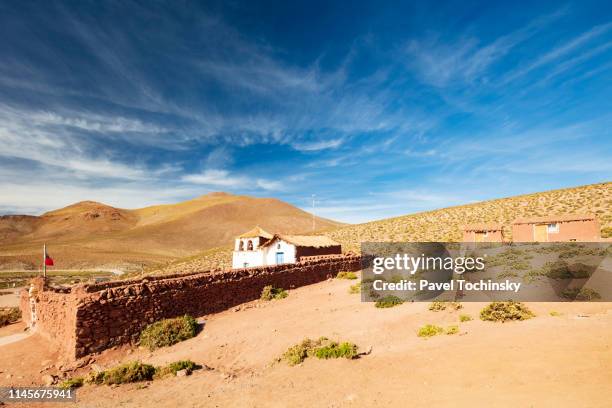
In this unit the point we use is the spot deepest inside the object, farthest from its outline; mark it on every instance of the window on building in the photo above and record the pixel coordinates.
(245, 265)
(250, 245)
(278, 246)
(486, 233)
(241, 246)
(553, 228)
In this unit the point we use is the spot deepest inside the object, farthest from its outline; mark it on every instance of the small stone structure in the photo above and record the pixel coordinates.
(90, 318)
(483, 233)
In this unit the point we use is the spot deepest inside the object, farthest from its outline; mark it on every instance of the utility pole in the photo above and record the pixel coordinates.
(44, 260)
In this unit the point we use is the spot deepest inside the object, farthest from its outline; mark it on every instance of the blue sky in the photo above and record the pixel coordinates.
(380, 109)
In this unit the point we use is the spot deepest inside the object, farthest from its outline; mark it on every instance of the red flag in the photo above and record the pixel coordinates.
(48, 260)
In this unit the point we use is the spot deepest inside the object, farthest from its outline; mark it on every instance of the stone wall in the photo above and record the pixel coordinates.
(91, 318)
(56, 311)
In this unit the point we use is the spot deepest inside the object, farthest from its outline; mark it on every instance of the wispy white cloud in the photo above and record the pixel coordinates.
(225, 179)
(467, 59)
(559, 51)
(318, 145)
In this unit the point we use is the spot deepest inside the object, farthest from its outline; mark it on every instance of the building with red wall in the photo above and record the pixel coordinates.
(557, 228)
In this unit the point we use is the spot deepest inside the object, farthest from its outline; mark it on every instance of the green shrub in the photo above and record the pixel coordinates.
(168, 332)
(131, 372)
(554, 313)
(269, 293)
(322, 348)
(355, 289)
(438, 306)
(9, 315)
(298, 353)
(388, 301)
(95, 377)
(454, 329)
(563, 270)
(505, 311)
(465, 318)
(582, 294)
(507, 274)
(335, 350)
(173, 368)
(346, 275)
(70, 383)
(430, 330)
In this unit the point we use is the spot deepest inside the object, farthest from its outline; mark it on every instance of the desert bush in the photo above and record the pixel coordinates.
(168, 332)
(9, 315)
(322, 348)
(506, 274)
(335, 350)
(95, 377)
(70, 383)
(388, 301)
(505, 311)
(430, 330)
(269, 293)
(465, 318)
(438, 306)
(583, 294)
(346, 275)
(561, 270)
(173, 368)
(354, 289)
(554, 313)
(131, 372)
(454, 329)
(298, 353)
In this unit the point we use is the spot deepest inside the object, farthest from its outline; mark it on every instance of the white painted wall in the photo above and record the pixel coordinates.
(250, 258)
(261, 256)
(286, 248)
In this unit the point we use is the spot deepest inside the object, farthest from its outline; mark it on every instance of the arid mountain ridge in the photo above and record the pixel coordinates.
(445, 224)
(197, 234)
(91, 234)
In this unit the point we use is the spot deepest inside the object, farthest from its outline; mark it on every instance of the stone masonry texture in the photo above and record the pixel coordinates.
(89, 318)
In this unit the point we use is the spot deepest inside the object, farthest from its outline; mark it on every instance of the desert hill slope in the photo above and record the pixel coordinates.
(446, 224)
(90, 234)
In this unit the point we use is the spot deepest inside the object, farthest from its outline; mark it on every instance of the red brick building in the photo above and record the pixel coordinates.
(483, 233)
(557, 228)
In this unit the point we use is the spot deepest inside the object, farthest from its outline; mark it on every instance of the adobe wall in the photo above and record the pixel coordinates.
(310, 251)
(493, 236)
(583, 230)
(92, 318)
(55, 314)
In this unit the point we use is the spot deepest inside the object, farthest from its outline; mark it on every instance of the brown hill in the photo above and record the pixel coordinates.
(445, 224)
(90, 234)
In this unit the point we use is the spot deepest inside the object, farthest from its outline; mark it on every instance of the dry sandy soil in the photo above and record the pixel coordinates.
(543, 362)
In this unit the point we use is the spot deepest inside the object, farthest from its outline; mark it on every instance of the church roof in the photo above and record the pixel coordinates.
(256, 232)
(314, 241)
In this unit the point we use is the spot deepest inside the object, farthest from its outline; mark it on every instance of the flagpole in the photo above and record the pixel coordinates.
(44, 260)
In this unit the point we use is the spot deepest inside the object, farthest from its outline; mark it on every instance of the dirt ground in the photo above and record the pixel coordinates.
(12, 299)
(547, 361)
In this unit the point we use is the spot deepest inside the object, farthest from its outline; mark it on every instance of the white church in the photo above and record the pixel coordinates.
(260, 248)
